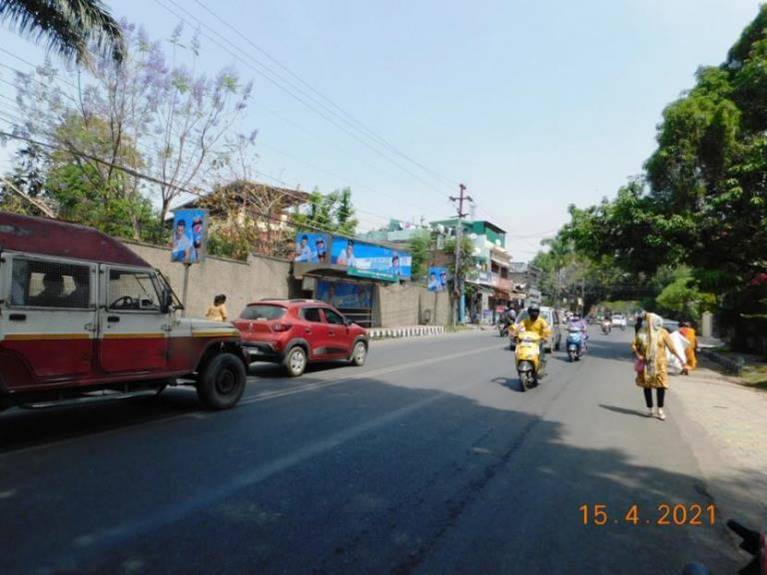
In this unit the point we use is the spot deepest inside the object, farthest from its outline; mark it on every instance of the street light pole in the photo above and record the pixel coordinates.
(458, 287)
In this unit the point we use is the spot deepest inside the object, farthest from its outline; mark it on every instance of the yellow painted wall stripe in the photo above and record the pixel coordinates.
(215, 333)
(134, 335)
(43, 336)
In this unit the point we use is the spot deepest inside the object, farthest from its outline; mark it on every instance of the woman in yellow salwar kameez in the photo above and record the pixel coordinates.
(649, 347)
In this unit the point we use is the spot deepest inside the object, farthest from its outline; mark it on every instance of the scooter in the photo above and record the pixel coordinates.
(574, 343)
(503, 329)
(607, 326)
(752, 542)
(528, 356)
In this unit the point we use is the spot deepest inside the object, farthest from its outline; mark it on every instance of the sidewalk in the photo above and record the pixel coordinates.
(732, 419)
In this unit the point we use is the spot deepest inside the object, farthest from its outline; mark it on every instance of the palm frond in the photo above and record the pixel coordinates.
(67, 27)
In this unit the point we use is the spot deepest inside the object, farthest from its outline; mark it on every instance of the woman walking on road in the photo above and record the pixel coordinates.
(649, 347)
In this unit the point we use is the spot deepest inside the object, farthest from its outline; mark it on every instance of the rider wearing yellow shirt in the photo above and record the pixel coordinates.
(534, 322)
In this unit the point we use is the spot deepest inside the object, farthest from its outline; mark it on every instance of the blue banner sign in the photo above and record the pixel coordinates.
(369, 260)
(311, 248)
(345, 295)
(437, 279)
(189, 236)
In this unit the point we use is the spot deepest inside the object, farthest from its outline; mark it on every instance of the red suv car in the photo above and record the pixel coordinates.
(296, 332)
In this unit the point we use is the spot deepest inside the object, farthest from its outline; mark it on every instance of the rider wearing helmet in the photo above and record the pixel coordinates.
(534, 322)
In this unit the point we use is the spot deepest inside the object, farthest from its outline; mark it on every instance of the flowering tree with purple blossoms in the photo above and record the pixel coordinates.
(145, 115)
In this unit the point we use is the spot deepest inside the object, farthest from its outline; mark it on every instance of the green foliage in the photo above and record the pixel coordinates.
(332, 213)
(467, 269)
(420, 250)
(69, 27)
(682, 298)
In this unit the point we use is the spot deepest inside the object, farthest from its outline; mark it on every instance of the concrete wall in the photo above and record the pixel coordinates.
(241, 282)
(407, 305)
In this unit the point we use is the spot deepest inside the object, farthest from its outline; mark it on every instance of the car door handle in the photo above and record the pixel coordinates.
(113, 318)
(331, 333)
(307, 331)
(18, 317)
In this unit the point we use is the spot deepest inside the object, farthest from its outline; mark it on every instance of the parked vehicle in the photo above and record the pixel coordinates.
(82, 317)
(551, 318)
(574, 343)
(619, 320)
(297, 332)
(528, 358)
(607, 326)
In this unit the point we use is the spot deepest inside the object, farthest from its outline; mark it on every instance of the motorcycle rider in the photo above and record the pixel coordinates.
(578, 323)
(533, 322)
(507, 318)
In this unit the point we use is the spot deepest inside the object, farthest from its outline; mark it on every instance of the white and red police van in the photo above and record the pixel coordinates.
(82, 316)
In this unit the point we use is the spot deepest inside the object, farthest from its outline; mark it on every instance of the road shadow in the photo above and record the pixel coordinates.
(371, 477)
(623, 410)
(512, 383)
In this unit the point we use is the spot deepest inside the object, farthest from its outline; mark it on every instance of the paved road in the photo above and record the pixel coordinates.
(428, 460)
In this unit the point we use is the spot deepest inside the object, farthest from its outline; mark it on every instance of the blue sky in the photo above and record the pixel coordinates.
(533, 105)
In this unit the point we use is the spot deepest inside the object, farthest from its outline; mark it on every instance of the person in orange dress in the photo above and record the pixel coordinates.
(688, 332)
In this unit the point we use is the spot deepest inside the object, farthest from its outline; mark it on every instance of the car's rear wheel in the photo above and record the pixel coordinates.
(295, 361)
(359, 354)
(221, 382)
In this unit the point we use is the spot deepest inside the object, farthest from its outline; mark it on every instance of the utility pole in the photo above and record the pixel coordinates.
(458, 287)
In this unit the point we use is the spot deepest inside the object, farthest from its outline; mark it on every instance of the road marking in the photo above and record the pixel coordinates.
(366, 375)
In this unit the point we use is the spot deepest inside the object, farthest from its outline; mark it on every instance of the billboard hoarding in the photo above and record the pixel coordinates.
(369, 260)
(437, 279)
(189, 240)
(311, 248)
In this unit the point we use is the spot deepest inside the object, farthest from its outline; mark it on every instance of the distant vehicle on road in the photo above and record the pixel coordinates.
(619, 320)
(551, 318)
(299, 331)
(83, 317)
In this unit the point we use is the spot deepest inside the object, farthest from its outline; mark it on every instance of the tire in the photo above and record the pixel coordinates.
(221, 382)
(359, 354)
(295, 361)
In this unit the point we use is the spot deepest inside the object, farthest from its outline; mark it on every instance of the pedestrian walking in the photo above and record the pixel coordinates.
(649, 347)
(688, 332)
(217, 312)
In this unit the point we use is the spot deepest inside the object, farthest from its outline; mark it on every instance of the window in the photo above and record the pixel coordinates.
(311, 314)
(263, 312)
(133, 291)
(333, 317)
(36, 283)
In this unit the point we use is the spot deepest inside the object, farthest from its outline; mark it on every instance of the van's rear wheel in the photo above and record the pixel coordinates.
(221, 382)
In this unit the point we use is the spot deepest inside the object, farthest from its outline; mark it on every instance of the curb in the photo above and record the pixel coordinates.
(732, 365)
(399, 332)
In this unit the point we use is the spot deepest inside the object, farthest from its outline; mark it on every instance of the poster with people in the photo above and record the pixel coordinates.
(189, 236)
(369, 260)
(437, 279)
(311, 248)
(345, 295)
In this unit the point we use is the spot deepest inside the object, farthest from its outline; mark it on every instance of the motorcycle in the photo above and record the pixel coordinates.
(503, 329)
(607, 326)
(574, 343)
(528, 356)
(752, 542)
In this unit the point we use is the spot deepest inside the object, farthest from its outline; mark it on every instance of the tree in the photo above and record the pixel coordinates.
(420, 245)
(180, 124)
(70, 27)
(683, 299)
(332, 213)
